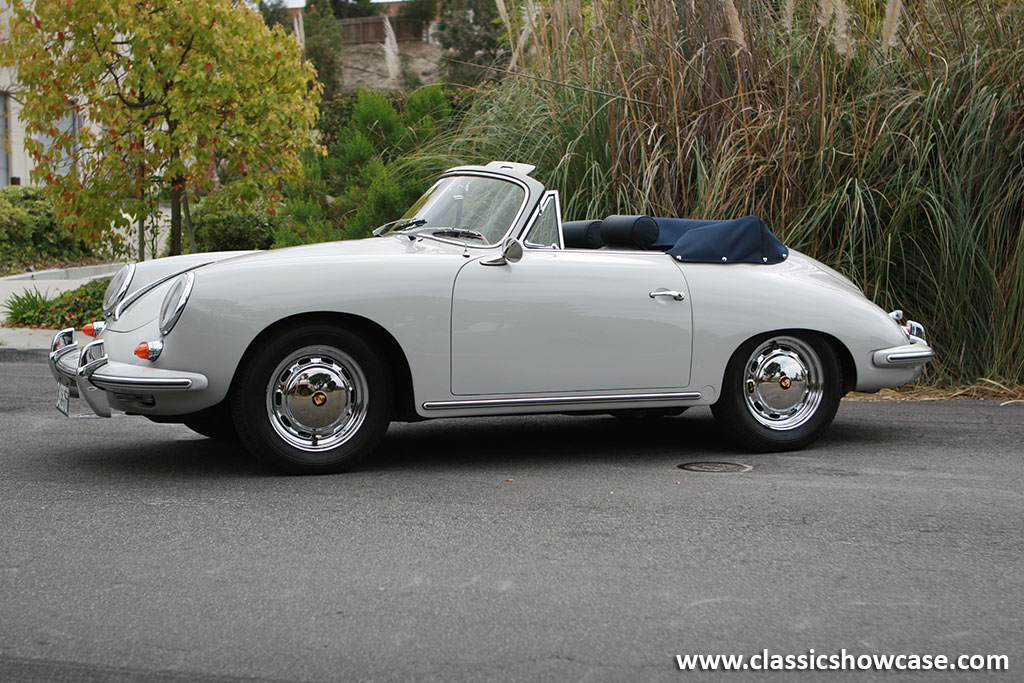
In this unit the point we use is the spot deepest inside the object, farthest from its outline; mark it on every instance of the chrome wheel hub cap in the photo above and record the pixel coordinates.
(782, 383)
(316, 398)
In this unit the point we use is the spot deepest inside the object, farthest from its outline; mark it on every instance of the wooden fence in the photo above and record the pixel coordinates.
(371, 29)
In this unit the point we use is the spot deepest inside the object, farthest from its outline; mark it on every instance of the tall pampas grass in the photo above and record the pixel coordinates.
(529, 14)
(506, 20)
(893, 14)
(732, 16)
(787, 16)
(825, 12)
(835, 13)
(841, 32)
(392, 58)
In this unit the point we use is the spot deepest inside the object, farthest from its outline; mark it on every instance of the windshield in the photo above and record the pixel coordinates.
(470, 208)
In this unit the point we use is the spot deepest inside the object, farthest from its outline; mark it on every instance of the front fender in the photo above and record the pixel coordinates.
(229, 307)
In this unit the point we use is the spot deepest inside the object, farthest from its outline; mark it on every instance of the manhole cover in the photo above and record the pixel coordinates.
(715, 467)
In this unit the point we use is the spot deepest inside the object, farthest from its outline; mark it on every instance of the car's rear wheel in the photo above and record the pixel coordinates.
(780, 393)
(314, 399)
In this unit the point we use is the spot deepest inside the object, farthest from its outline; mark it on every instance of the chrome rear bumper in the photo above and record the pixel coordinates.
(917, 352)
(902, 356)
(91, 374)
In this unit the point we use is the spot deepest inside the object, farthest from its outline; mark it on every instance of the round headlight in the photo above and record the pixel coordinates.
(117, 288)
(174, 301)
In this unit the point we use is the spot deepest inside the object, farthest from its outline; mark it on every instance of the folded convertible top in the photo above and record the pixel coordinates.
(741, 240)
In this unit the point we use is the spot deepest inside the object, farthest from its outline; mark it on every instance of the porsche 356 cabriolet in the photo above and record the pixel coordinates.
(481, 301)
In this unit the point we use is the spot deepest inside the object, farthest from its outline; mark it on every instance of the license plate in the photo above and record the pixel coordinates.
(63, 398)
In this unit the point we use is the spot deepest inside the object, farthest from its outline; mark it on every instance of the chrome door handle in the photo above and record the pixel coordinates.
(678, 296)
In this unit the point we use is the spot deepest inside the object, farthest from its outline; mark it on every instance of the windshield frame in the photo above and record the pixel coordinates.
(530, 197)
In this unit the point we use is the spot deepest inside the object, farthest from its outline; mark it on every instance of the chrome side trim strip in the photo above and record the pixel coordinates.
(155, 383)
(560, 400)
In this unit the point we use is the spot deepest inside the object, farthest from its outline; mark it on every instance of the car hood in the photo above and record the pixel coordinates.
(369, 248)
(260, 264)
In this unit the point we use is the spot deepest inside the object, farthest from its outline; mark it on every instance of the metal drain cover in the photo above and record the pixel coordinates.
(715, 467)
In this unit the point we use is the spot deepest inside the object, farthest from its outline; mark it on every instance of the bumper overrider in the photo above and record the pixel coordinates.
(91, 375)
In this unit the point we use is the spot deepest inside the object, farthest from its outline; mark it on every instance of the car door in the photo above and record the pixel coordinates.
(570, 321)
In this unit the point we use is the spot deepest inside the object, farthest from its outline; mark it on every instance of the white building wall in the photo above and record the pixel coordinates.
(19, 162)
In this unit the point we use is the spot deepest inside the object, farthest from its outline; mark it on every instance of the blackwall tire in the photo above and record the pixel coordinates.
(314, 399)
(780, 392)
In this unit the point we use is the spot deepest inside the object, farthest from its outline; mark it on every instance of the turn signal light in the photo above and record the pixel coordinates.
(149, 350)
(92, 329)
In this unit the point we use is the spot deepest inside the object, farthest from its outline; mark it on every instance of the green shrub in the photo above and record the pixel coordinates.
(375, 117)
(220, 227)
(324, 38)
(28, 233)
(306, 224)
(27, 309)
(421, 12)
(471, 31)
(352, 151)
(380, 195)
(426, 110)
(73, 308)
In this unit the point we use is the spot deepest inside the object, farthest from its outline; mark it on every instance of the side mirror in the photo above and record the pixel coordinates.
(511, 252)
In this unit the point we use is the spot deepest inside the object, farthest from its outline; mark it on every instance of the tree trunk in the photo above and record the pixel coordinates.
(188, 224)
(142, 214)
(142, 237)
(176, 186)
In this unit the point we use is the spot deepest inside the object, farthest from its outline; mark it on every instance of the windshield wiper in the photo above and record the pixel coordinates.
(399, 225)
(459, 232)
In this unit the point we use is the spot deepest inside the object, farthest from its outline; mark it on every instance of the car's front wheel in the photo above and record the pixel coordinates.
(314, 399)
(780, 393)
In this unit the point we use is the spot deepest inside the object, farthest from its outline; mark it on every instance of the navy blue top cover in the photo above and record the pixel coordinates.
(741, 240)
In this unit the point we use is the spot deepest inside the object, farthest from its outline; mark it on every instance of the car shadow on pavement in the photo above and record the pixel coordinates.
(188, 457)
(554, 441)
(557, 440)
(546, 441)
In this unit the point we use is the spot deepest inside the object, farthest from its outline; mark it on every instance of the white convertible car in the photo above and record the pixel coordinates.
(480, 301)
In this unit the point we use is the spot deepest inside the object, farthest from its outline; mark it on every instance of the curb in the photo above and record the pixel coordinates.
(77, 273)
(13, 354)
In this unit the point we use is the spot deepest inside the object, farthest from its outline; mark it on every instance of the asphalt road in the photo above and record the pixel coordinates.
(540, 549)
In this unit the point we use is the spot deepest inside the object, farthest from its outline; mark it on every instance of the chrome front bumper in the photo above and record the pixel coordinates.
(91, 374)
